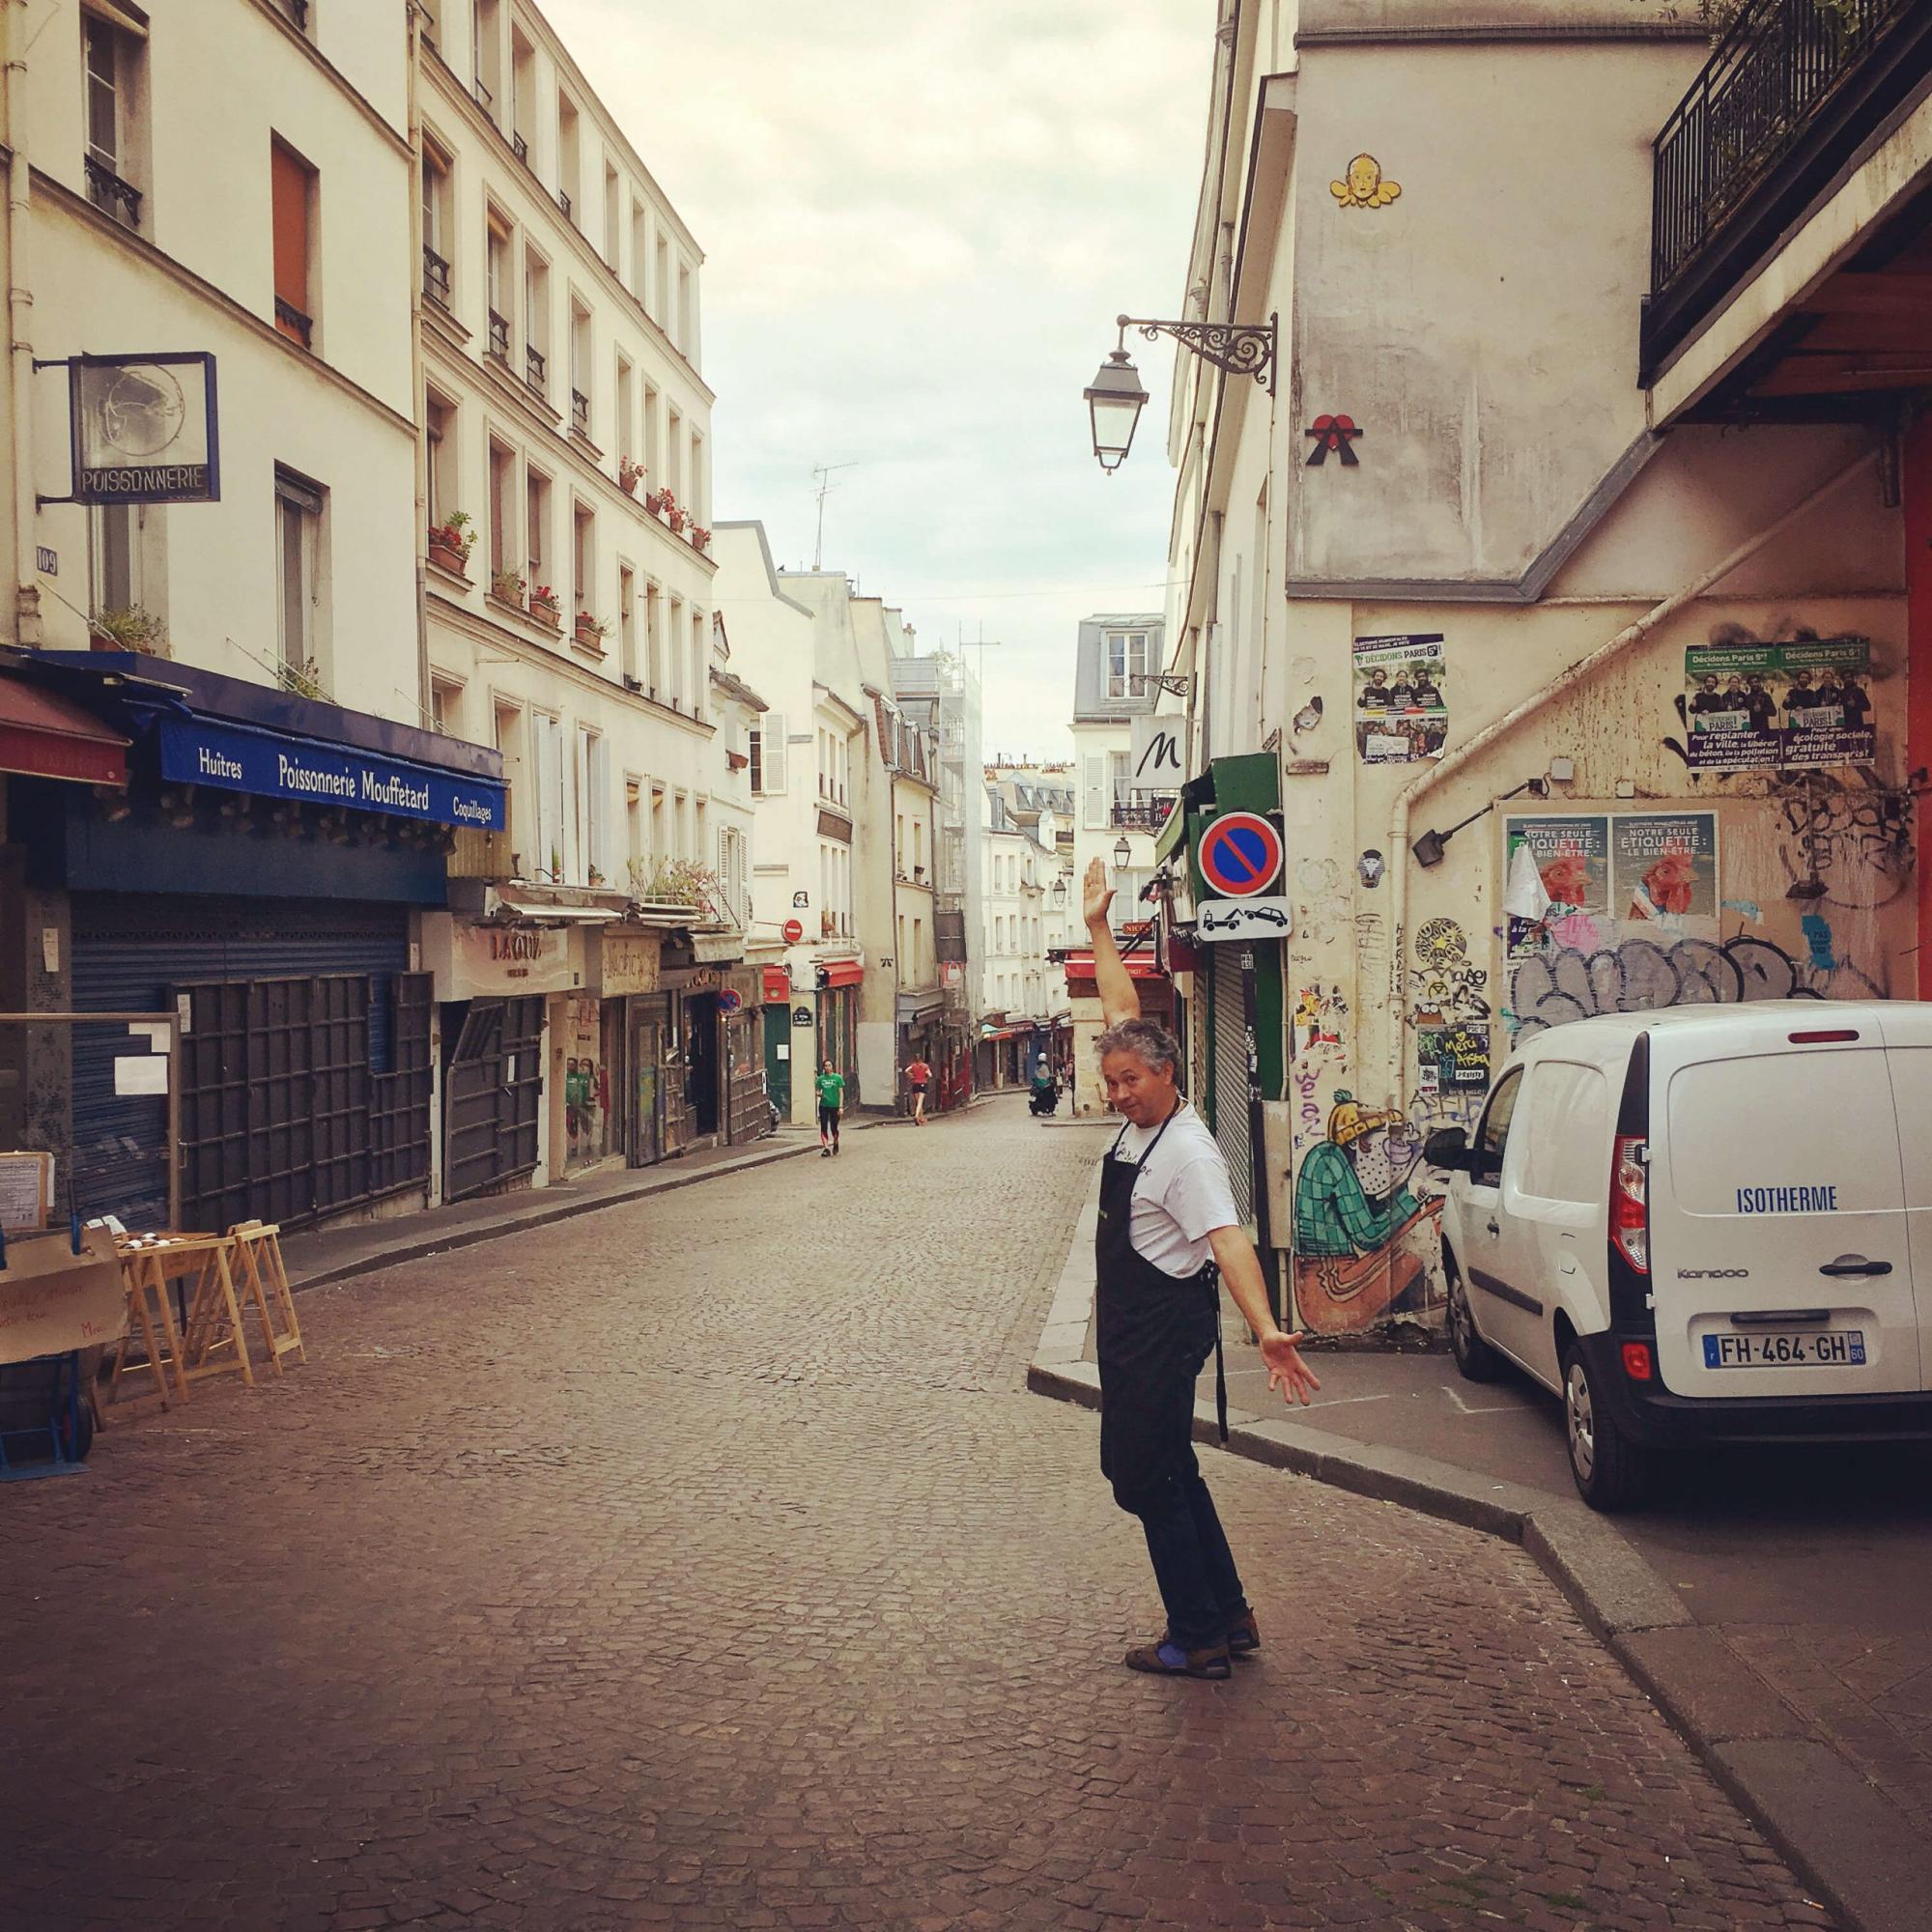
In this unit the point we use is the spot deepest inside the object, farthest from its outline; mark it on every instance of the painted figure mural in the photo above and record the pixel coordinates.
(1353, 1212)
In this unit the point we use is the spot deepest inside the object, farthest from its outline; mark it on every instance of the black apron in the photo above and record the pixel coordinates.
(1153, 1331)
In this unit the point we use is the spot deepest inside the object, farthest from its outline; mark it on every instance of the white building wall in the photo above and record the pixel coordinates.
(197, 273)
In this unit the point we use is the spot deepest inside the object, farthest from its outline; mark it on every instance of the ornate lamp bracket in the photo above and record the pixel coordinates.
(1242, 348)
(1178, 684)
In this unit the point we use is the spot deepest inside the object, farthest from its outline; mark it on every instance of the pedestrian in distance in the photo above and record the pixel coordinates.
(831, 1085)
(918, 1076)
(1168, 1232)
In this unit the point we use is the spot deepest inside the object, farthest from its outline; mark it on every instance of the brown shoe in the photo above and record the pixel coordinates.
(1243, 1635)
(1211, 1661)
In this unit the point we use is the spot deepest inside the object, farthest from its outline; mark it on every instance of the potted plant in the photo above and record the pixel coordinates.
(545, 607)
(700, 538)
(675, 514)
(592, 630)
(507, 587)
(596, 875)
(130, 628)
(630, 473)
(654, 503)
(450, 543)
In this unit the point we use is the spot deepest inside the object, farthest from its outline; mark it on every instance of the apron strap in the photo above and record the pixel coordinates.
(1220, 1363)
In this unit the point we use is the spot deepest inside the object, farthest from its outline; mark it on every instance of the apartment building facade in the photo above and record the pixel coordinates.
(569, 624)
(211, 421)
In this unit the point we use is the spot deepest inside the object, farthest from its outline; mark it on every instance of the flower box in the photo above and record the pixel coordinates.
(700, 538)
(630, 473)
(546, 608)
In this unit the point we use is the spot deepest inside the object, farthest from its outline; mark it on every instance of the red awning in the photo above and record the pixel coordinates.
(48, 737)
(1139, 965)
(778, 985)
(843, 972)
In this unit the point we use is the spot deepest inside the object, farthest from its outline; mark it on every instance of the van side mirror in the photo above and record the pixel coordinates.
(1447, 1146)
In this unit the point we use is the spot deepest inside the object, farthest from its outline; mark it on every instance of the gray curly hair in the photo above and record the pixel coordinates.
(1148, 1039)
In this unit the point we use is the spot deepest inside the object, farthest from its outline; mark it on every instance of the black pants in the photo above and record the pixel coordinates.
(1200, 1587)
(828, 1124)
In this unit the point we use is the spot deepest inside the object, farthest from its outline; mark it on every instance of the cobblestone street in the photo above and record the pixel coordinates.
(702, 1562)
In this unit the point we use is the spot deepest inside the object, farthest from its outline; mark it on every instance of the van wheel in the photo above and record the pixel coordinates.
(1611, 1471)
(1477, 1361)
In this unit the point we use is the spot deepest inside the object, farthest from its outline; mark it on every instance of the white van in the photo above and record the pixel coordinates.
(1704, 1224)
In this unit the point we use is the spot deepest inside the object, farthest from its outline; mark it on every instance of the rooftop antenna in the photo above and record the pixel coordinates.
(821, 474)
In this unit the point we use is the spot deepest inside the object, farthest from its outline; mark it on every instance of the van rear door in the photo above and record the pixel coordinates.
(1779, 1250)
(1907, 1040)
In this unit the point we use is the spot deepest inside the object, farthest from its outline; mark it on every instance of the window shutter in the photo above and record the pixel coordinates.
(290, 181)
(776, 752)
(1097, 791)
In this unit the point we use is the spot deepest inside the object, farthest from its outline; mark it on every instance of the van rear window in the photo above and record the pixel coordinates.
(1807, 1132)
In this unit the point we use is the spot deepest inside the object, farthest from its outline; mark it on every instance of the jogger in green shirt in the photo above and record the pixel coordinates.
(831, 1085)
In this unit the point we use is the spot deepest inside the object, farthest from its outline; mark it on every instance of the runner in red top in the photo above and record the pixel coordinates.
(918, 1076)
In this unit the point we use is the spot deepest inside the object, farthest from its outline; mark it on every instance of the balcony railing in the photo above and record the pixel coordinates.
(563, 202)
(522, 148)
(499, 335)
(291, 321)
(1786, 97)
(436, 277)
(536, 371)
(298, 13)
(110, 192)
(579, 412)
(1139, 814)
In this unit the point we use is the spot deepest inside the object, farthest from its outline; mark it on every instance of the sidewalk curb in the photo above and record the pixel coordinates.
(1854, 1851)
(424, 1245)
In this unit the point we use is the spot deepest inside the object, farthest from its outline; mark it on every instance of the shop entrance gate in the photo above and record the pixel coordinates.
(491, 1096)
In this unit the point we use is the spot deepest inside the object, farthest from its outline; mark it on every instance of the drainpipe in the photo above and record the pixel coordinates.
(1579, 672)
(20, 325)
(418, 406)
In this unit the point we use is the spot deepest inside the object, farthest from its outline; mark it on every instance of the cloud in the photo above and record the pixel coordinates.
(919, 222)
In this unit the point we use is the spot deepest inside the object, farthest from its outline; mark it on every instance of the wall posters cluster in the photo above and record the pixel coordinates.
(1581, 881)
(1401, 717)
(1800, 705)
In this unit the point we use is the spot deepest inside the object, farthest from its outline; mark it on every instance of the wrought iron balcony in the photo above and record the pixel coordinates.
(1789, 94)
(1139, 813)
(536, 371)
(436, 277)
(521, 148)
(579, 412)
(110, 192)
(499, 335)
(563, 202)
(291, 321)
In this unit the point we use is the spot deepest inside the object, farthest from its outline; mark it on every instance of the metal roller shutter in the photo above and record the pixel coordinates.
(1230, 1076)
(130, 952)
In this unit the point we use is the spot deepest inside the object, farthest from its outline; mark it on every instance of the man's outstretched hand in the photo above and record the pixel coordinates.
(1097, 894)
(1287, 1371)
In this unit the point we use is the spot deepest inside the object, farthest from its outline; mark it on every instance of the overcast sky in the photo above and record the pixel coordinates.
(918, 221)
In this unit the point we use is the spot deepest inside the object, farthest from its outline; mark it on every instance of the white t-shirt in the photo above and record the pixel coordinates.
(1180, 1196)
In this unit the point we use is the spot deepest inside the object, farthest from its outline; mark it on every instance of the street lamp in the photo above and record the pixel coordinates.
(1115, 402)
(1060, 895)
(1114, 398)
(1122, 853)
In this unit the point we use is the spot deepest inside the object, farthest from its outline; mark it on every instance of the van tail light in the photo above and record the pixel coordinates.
(1637, 1364)
(1630, 1203)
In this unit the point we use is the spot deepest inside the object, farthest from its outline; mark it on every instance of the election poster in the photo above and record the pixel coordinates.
(1663, 872)
(1401, 714)
(1556, 882)
(1797, 705)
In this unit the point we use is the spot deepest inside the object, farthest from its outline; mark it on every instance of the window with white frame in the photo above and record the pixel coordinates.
(654, 676)
(1128, 666)
(114, 68)
(589, 858)
(674, 657)
(298, 513)
(550, 817)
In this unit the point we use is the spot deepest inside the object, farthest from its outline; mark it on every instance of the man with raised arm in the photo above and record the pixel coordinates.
(1168, 1234)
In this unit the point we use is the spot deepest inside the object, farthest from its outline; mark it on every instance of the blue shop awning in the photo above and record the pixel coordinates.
(209, 729)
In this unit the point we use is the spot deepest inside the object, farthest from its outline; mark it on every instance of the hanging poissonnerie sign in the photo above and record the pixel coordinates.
(144, 428)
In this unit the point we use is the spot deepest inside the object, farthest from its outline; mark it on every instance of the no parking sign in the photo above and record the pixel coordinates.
(1239, 855)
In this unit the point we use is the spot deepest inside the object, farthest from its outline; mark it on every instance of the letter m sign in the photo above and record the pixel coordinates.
(1155, 763)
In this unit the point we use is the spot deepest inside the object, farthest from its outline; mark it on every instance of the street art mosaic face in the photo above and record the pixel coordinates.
(1364, 186)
